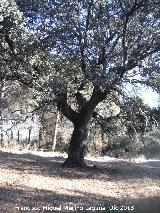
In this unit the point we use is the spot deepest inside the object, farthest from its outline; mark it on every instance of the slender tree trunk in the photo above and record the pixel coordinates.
(55, 132)
(18, 135)
(40, 137)
(41, 129)
(2, 92)
(11, 134)
(29, 134)
(2, 137)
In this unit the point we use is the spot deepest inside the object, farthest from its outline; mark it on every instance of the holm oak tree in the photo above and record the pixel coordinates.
(87, 50)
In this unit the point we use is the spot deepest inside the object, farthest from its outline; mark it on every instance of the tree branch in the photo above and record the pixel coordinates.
(66, 110)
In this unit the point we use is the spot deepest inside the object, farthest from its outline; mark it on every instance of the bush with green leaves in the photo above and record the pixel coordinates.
(126, 142)
(152, 137)
(152, 151)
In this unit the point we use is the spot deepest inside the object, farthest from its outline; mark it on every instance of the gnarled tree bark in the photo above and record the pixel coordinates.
(81, 121)
(76, 151)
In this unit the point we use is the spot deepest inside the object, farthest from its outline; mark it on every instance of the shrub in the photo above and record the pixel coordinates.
(152, 137)
(126, 143)
(152, 151)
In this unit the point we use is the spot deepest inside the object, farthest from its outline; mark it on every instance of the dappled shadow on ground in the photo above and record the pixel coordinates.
(51, 166)
(45, 200)
(30, 194)
(123, 169)
(146, 205)
(33, 200)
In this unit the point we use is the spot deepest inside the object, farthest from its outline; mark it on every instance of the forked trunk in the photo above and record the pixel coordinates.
(76, 151)
(81, 122)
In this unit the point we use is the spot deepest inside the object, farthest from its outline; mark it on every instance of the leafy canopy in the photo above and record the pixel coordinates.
(97, 44)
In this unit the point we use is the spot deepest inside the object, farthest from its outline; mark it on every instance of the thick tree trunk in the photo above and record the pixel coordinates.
(80, 119)
(77, 147)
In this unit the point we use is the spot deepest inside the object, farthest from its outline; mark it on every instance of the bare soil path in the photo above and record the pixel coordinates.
(35, 182)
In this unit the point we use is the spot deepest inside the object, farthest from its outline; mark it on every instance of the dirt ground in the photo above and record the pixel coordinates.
(36, 182)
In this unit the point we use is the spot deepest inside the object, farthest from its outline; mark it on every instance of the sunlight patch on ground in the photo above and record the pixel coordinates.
(39, 153)
(38, 178)
(143, 159)
(117, 189)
